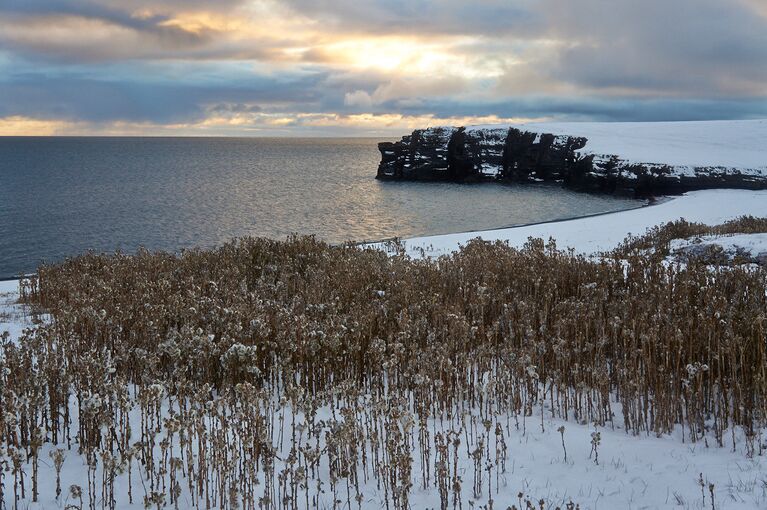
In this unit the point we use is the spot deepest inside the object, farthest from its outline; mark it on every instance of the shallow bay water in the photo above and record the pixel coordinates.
(62, 196)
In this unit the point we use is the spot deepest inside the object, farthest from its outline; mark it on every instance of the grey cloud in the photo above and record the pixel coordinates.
(72, 96)
(25, 33)
(146, 36)
(118, 11)
(235, 108)
(693, 48)
(486, 17)
(165, 43)
(87, 9)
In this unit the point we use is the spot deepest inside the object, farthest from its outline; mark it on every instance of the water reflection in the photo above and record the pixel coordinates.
(61, 196)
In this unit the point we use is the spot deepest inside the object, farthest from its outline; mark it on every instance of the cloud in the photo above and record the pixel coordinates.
(150, 92)
(597, 108)
(103, 30)
(358, 98)
(24, 126)
(685, 48)
(72, 38)
(300, 64)
(451, 17)
(316, 124)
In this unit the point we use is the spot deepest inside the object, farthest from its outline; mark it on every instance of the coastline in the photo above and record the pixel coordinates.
(598, 233)
(516, 234)
(636, 158)
(649, 203)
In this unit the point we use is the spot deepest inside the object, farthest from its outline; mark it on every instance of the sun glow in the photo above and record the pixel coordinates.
(393, 54)
(377, 54)
(24, 126)
(416, 57)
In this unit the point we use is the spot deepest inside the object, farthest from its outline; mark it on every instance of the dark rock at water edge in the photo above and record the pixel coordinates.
(514, 155)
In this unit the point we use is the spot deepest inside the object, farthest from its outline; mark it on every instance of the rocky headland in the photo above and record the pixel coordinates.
(520, 154)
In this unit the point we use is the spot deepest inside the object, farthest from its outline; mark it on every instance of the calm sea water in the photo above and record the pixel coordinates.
(62, 196)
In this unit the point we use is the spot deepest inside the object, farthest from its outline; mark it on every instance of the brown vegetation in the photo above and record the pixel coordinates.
(655, 242)
(194, 371)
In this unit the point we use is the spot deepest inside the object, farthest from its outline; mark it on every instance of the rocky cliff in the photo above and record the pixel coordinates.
(512, 154)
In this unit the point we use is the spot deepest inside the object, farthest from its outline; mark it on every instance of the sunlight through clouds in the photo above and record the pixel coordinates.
(165, 62)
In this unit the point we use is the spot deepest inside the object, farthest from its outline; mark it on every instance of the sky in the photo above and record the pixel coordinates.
(372, 67)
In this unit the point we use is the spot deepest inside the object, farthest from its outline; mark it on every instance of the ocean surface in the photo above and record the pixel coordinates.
(62, 196)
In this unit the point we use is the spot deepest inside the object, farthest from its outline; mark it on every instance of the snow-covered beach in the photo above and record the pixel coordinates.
(604, 232)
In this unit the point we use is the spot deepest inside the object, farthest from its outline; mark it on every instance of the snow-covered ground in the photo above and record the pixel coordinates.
(633, 472)
(13, 316)
(736, 145)
(644, 472)
(604, 232)
(751, 247)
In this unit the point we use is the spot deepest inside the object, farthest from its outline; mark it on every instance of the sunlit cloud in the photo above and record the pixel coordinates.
(23, 126)
(301, 124)
(365, 124)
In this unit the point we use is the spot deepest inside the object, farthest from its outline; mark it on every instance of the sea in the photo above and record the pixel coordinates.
(62, 196)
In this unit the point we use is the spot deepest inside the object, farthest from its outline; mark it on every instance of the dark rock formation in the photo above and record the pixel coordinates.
(514, 155)
(419, 156)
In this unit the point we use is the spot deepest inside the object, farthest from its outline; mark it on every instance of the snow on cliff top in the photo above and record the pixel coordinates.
(729, 144)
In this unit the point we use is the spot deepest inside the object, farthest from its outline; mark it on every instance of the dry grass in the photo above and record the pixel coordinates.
(656, 240)
(358, 354)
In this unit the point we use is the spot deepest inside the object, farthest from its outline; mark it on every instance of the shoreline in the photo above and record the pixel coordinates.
(746, 202)
(603, 232)
(650, 203)
(364, 242)
(16, 278)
